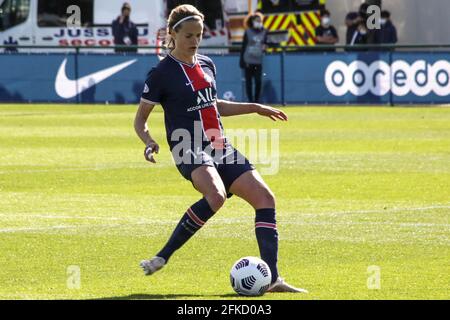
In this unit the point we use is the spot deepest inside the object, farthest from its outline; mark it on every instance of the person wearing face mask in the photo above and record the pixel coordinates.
(388, 32)
(352, 22)
(252, 54)
(359, 36)
(124, 31)
(326, 34)
(367, 36)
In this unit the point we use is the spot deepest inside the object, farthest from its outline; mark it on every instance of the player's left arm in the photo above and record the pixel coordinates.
(228, 109)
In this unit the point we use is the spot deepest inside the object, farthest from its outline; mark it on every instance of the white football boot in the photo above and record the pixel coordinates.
(281, 286)
(152, 265)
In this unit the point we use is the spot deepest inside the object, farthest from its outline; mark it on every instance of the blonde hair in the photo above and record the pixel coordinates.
(176, 15)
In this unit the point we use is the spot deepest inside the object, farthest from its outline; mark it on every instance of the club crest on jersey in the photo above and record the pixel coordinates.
(146, 89)
(208, 78)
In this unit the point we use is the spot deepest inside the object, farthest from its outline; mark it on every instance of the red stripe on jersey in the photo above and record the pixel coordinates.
(209, 116)
(196, 76)
(211, 127)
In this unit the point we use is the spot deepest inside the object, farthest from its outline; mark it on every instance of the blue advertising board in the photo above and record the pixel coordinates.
(294, 78)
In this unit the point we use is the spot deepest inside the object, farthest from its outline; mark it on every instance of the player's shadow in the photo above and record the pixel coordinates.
(142, 296)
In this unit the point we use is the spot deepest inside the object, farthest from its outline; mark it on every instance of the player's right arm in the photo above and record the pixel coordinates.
(141, 128)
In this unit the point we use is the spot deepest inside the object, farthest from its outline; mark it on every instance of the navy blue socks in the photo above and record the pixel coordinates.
(267, 236)
(194, 218)
(200, 212)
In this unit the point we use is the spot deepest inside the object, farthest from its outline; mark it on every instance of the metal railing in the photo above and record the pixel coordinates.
(235, 48)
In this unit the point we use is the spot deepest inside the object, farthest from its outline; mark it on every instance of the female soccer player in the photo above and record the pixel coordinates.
(184, 84)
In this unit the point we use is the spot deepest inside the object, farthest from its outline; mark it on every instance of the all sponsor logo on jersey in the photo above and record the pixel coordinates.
(205, 99)
(401, 78)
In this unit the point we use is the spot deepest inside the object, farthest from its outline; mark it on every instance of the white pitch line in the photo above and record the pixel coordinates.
(27, 215)
(138, 221)
(55, 216)
(17, 215)
(390, 210)
(96, 168)
(352, 223)
(12, 230)
(62, 227)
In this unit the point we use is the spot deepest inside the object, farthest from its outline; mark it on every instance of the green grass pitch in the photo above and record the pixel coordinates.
(356, 187)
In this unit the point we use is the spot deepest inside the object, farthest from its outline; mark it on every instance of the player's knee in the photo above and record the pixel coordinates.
(216, 199)
(267, 199)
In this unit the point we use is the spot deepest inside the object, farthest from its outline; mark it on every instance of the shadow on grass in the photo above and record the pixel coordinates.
(141, 296)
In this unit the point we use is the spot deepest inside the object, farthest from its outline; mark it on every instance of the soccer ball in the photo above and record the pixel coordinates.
(250, 276)
(229, 96)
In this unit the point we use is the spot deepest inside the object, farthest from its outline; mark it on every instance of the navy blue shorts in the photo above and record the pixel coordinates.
(229, 162)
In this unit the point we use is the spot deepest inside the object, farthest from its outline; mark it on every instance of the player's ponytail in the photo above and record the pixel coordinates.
(176, 18)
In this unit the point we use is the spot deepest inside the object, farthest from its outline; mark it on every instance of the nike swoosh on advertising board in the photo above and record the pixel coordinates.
(67, 88)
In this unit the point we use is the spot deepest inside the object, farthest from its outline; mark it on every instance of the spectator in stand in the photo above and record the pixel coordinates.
(351, 21)
(359, 37)
(388, 32)
(371, 36)
(124, 30)
(252, 54)
(357, 33)
(326, 33)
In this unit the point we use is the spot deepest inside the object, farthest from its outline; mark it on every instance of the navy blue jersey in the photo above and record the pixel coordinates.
(188, 96)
